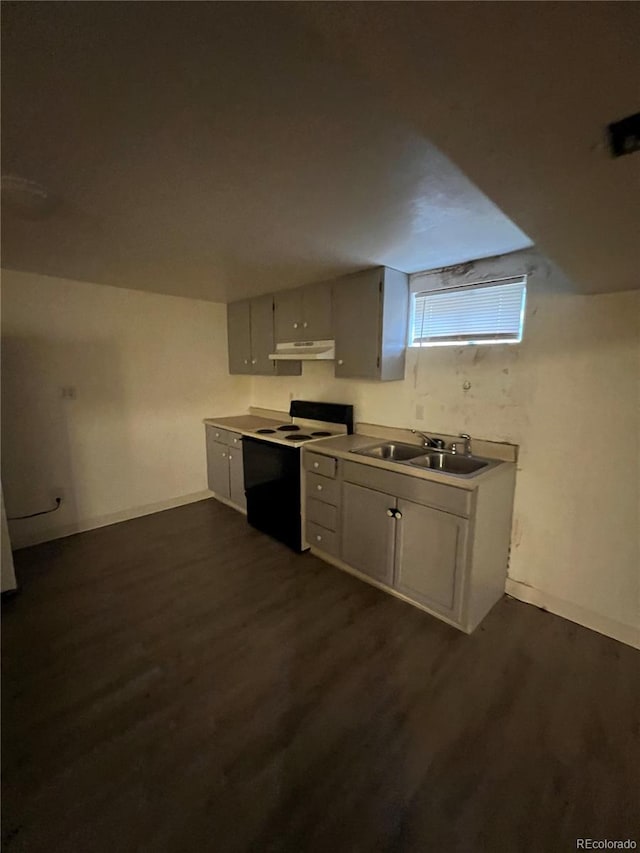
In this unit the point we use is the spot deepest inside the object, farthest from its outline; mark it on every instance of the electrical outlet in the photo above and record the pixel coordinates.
(419, 412)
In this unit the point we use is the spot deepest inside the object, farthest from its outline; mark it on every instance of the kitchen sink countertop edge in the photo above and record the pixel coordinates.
(343, 445)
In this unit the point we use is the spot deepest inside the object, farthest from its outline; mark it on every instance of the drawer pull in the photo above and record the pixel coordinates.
(217, 435)
(319, 488)
(316, 464)
(230, 458)
(319, 538)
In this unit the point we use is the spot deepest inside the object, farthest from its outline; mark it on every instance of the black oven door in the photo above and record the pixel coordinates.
(272, 487)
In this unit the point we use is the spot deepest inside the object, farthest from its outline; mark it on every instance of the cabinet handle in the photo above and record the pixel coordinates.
(340, 361)
(230, 458)
(318, 538)
(217, 435)
(316, 464)
(254, 361)
(224, 455)
(235, 440)
(246, 361)
(319, 488)
(398, 514)
(390, 513)
(295, 325)
(304, 325)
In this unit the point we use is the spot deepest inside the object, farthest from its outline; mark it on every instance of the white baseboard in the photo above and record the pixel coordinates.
(37, 537)
(627, 634)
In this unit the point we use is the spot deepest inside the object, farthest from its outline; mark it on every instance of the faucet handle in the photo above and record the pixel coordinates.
(467, 442)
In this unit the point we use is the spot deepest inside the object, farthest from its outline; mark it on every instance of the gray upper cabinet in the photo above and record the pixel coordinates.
(251, 337)
(430, 556)
(288, 316)
(239, 336)
(304, 314)
(262, 342)
(370, 318)
(368, 530)
(317, 312)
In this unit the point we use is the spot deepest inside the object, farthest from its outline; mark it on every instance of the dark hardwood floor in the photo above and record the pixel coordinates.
(182, 683)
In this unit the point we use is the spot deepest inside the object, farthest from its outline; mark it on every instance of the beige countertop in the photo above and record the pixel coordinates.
(245, 424)
(343, 445)
(248, 424)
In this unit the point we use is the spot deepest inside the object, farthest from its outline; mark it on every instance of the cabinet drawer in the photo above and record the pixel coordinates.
(323, 539)
(323, 489)
(222, 435)
(317, 464)
(321, 513)
(234, 439)
(438, 495)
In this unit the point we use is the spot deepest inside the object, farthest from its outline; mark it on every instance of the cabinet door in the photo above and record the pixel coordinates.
(239, 336)
(217, 466)
(430, 556)
(262, 335)
(357, 319)
(317, 316)
(288, 317)
(368, 531)
(236, 476)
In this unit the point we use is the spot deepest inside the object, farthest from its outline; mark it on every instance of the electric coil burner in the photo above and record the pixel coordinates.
(272, 466)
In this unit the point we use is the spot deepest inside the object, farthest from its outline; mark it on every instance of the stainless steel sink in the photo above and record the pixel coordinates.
(391, 451)
(449, 463)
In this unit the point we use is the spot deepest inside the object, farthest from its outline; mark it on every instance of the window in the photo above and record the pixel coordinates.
(487, 313)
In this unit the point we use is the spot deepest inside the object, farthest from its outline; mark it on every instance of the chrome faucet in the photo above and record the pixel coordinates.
(467, 444)
(428, 440)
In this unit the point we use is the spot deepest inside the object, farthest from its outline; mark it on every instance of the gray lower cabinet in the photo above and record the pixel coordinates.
(439, 545)
(218, 468)
(368, 531)
(236, 477)
(225, 475)
(370, 317)
(430, 554)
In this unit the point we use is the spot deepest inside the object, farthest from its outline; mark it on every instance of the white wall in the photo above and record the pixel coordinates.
(569, 396)
(147, 368)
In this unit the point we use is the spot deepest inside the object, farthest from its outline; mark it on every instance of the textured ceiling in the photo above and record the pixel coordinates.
(217, 150)
(519, 96)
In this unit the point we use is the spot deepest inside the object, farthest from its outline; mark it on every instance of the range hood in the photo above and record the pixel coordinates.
(305, 351)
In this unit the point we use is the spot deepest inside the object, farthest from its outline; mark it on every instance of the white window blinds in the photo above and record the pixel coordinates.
(489, 313)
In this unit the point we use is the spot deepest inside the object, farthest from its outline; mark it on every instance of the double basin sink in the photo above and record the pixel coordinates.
(426, 457)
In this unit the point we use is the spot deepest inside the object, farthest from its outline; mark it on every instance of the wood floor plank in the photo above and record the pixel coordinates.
(180, 682)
